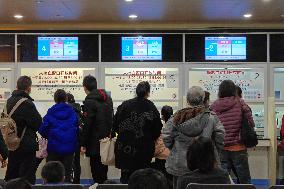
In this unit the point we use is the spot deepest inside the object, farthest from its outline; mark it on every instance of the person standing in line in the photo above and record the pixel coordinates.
(23, 160)
(138, 124)
(76, 162)
(187, 124)
(98, 118)
(60, 127)
(230, 108)
(161, 152)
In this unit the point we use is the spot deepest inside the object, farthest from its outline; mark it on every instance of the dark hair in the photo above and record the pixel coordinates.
(239, 91)
(70, 98)
(147, 179)
(53, 172)
(167, 112)
(207, 97)
(201, 155)
(142, 89)
(60, 96)
(227, 89)
(24, 82)
(18, 183)
(90, 82)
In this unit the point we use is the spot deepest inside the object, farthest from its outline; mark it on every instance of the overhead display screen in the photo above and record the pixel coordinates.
(141, 48)
(225, 48)
(57, 48)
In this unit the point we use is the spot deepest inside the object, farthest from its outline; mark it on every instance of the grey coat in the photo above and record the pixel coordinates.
(178, 138)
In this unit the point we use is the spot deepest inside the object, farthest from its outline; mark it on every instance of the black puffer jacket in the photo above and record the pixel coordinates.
(138, 124)
(25, 116)
(98, 115)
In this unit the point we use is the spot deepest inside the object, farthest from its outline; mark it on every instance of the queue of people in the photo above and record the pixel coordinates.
(200, 143)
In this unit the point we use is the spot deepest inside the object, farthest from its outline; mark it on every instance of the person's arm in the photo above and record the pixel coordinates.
(117, 119)
(89, 117)
(3, 148)
(218, 133)
(157, 124)
(33, 119)
(248, 114)
(167, 134)
(44, 128)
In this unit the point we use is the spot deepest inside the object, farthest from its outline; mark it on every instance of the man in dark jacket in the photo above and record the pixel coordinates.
(98, 112)
(22, 161)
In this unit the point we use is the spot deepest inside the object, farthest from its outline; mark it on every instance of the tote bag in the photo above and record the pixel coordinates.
(107, 151)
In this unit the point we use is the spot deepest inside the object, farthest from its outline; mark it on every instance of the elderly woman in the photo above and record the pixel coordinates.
(187, 124)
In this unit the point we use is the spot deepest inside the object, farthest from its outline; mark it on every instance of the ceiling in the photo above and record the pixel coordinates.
(152, 14)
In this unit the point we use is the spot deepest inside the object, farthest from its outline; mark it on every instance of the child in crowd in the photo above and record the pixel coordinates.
(60, 127)
(53, 172)
(161, 152)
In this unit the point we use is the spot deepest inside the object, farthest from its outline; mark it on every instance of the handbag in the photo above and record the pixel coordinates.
(248, 134)
(107, 146)
(42, 152)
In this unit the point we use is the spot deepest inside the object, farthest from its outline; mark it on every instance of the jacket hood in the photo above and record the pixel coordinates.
(61, 111)
(98, 95)
(224, 104)
(194, 126)
(20, 93)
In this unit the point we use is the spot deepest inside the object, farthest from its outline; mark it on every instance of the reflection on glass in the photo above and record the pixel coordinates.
(258, 117)
(7, 48)
(278, 83)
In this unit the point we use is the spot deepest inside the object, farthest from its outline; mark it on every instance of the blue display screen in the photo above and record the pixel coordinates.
(225, 48)
(141, 48)
(57, 48)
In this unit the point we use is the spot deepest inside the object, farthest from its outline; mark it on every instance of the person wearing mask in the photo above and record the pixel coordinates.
(187, 124)
(53, 173)
(60, 128)
(202, 162)
(98, 118)
(147, 179)
(22, 162)
(76, 162)
(230, 109)
(138, 124)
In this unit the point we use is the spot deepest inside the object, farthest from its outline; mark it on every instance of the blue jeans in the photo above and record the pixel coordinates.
(239, 161)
